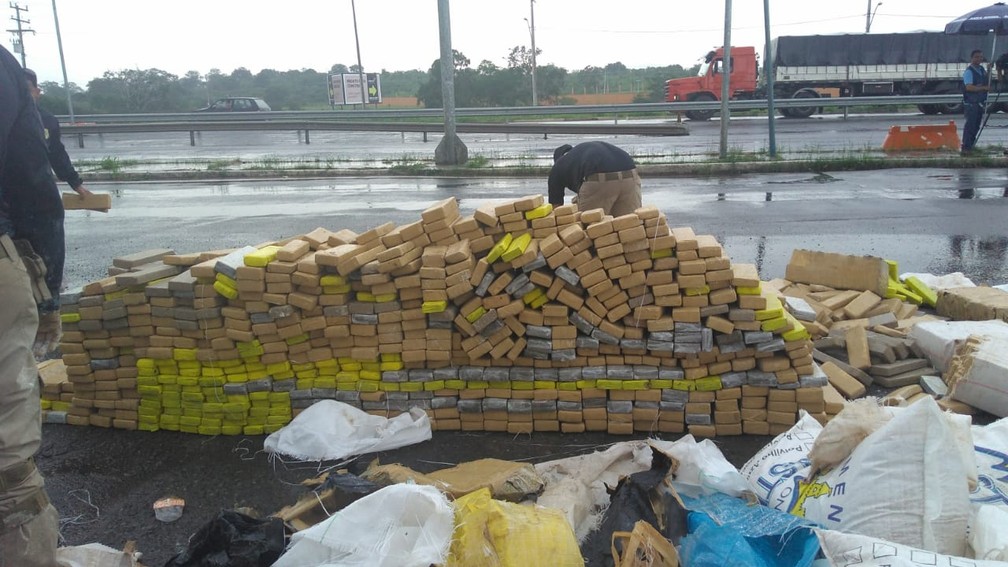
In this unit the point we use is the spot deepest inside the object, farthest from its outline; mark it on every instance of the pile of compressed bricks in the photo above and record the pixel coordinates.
(860, 337)
(516, 318)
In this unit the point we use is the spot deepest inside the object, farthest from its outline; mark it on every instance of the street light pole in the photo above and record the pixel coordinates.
(870, 16)
(535, 97)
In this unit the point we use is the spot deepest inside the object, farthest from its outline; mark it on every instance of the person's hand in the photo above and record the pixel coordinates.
(82, 191)
(47, 338)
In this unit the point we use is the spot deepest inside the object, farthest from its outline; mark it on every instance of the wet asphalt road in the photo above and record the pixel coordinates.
(104, 481)
(928, 220)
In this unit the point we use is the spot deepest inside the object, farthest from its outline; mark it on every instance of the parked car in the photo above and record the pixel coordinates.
(237, 104)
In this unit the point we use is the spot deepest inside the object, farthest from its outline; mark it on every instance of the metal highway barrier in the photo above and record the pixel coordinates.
(426, 120)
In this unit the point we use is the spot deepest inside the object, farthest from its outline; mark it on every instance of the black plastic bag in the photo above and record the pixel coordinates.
(233, 539)
(633, 499)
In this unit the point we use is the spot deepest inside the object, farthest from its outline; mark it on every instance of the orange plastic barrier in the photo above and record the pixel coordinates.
(925, 137)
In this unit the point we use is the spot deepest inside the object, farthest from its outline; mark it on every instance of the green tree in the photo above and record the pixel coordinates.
(135, 90)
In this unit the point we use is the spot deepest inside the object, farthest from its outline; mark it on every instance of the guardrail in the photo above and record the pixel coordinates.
(510, 112)
(306, 126)
(385, 120)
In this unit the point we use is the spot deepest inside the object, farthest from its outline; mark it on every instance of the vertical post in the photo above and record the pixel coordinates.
(535, 97)
(360, 68)
(725, 82)
(768, 74)
(20, 31)
(867, 21)
(451, 150)
(66, 82)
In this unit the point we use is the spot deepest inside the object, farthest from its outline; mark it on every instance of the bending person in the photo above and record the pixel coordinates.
(603, 176)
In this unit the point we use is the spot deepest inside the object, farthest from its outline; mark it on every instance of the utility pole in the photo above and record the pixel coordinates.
(726, 67)
(451, 150)
(21, 30)
(66, 82)
(535, 97)
(360, 68)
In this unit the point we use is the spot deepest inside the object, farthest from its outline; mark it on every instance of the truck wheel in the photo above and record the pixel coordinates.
(949, 107)
(803, 111)
(928, 109)
(701, 115)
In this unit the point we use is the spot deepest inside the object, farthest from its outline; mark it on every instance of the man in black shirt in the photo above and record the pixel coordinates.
(29, 525)
(603, 176)
(58, 158)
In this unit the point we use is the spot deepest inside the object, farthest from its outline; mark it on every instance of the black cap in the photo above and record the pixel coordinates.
(31, 76)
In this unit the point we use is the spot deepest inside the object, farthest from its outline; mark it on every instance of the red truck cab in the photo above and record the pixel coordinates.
(706, 85)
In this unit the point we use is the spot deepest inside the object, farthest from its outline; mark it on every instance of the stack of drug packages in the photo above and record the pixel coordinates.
(518, 318)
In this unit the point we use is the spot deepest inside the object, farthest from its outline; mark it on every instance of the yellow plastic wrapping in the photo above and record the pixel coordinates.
(491, 533)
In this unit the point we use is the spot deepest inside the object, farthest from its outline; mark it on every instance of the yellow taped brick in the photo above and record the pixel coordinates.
(708, 383)
(771, 325)
(539, 212)
(225, 290)
(635, 384)
(694, 291)
(476, 314)
(70, 318)
(685, 385)
(655, 255)
(261, 257)
(744, 290)
(332, 280)
(927, 295)
(499, 248)
(517, 247)
(533, 295)
(609, 384)
(226, 280)
(434, 306)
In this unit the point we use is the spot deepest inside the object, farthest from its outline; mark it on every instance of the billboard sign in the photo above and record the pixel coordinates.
(346, 88)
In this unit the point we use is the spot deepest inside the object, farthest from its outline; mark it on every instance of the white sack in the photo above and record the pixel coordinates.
(991, 452)
(577, 485)
(906, 482)
(847, 550)
(401, 525)
(703, 468)
(903, 483)
(776, 470)
(93, 555)
(989, 534)
(948, 281)
(330, 430)
(938, 339)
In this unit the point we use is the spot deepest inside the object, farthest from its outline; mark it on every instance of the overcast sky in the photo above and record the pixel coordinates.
(182, 35)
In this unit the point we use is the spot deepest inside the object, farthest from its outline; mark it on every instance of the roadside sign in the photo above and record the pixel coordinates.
(346, 88)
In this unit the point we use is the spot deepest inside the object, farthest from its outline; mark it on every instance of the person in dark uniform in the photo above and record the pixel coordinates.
(58, 157)
(975, 88)
(30, 207)
(603, 176)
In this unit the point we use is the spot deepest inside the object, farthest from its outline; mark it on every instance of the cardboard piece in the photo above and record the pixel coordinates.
(506, 480)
